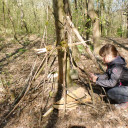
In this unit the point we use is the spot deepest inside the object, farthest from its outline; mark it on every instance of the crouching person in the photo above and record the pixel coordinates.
(115, 79)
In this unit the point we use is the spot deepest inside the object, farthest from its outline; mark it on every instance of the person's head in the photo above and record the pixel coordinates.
(108, 52)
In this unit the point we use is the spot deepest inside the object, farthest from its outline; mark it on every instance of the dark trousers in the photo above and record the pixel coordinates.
(119, 94)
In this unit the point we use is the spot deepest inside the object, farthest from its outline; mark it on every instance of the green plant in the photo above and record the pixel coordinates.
(80, 48)
(119, 31)
(22, 50)
(2, 39)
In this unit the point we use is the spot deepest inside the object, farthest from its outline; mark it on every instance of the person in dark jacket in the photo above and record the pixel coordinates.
(110, 80)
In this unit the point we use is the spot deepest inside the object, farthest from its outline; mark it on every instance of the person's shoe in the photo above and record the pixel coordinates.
(122, 105)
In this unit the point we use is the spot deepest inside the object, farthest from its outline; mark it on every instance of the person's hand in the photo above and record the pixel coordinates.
(93, 77)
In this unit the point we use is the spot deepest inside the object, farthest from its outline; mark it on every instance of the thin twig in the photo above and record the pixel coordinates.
(77, 99)
(65, 80)
(85, 72)
(22, 94)
(107, 98)
(24, 91)
(81, 39)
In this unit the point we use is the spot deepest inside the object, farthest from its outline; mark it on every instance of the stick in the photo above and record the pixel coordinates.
(77, 99)
(74, 63)
(24, 91)
(81, 39)
(48, 112)
(40, 68)
(21, 96)
(44, 50)
(65, 80)
(107, 99)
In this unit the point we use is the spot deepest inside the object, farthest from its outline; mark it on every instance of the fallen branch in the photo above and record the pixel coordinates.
(79, 100)
(21, 96)
(48, 112)
(25, 89)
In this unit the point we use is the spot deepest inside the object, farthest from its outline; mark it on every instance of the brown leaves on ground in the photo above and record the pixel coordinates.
(16, 61)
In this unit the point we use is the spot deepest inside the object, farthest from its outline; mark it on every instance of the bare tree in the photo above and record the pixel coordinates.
(95, 20)
(75, 1)
(23, 22)
(88, 21)
(59, 22)
(127, 20)
(4, 13)
(101, 15)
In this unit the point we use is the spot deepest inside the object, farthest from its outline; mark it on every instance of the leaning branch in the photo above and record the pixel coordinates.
(82, 40)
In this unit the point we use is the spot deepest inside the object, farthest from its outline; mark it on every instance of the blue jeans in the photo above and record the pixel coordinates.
(118, 94)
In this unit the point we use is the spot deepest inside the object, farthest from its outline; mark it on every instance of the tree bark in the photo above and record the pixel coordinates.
(4, 13)
(69, 40)
(12, 21)
(95, 20)
(109, 18)
(75, 31)
(23, 22)
(59, 22)
(88, 22)
(101, 11)
(75, 4)
(127, 20)
(67, 8)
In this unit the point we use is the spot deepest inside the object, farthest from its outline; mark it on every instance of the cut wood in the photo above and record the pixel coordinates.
(48, 112)
(75, 96)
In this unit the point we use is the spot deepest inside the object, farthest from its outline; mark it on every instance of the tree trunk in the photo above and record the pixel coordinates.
(12, 21)
(127, 21)
(75, 31)
(95, 21)
(23, 22)
(69, 40)
(67, 8)
(97, 5)
(109, 18)
(4, 13)
(101, 13)
(88, 22)
(59, 22)
(75, 4)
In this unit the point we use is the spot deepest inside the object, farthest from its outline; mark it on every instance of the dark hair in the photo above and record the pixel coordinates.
(109, 49)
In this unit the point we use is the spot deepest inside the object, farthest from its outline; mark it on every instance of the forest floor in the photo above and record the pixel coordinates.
(16, 62)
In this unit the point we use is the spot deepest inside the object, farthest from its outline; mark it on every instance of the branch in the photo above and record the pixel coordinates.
(82, 40)
(46, 49)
